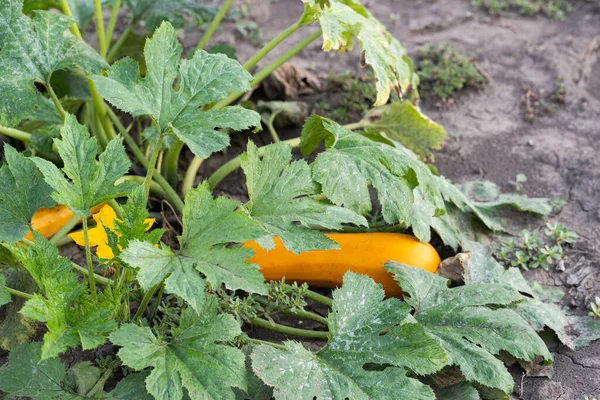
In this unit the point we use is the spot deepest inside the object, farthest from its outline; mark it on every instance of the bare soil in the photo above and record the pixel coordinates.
(489, 136)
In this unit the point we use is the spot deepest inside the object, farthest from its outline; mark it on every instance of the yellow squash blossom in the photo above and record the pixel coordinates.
(105, 218)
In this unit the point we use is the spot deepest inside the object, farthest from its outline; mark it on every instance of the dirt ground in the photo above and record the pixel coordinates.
(489, 138)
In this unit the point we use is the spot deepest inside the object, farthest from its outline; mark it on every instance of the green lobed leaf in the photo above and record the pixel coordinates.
(133, 224)
(364, 328)
(209, 226)
(341, 20)
(404, 123)
(191, 358)
(462, 391)
(82, 377)
(22, 192)
(27, 375)
(351, 163)
(132, 387)
(70, 317)
(539, 308)
(83, 183)
(201, 80)
(4, 293)
(485, 201)
(461, 321)
(31, 49)
(153, 12)
(280, 200)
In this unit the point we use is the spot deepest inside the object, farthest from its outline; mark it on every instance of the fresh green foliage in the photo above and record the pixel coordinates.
(533, 250)
(404, 123)
(469, 329)
(23, 192)
(202, 80)
(551, 8)
(27, 375)
(191, 358)
(31, 49)
(82, 183)
(444, 71)
(64, 306)
(203, 248)
(343, 19)
(352, 162)
(358, 318)
(281, 196)
(595, 307)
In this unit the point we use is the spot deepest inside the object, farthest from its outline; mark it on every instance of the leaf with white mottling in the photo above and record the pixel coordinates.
(351, 163)
(31, 49)
(364, 328)
(470, 331)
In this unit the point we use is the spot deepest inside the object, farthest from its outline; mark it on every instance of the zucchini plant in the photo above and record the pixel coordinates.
(100, 135)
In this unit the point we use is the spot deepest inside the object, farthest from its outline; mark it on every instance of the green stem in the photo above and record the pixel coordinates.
(100, 34)
(97, 278)
(15, 134)
(271, 127)
(154, 187)
(18, 293)
(190, 175)
(102, 381)
(234, 163)
(112, 22)
(263, 73)
(65, 229)
(101, 110)
(173, 197)
(214, 24)
(152, 165)
(55, 100)
(157, 305)
(172, 162)
(319, 298)
(299, 313)
(64, 5)
(88, 258)
(97, 130)
(288, 330)
(356, 125)
(259, 342)
(271, 45)
(144, 303)
(120, 41)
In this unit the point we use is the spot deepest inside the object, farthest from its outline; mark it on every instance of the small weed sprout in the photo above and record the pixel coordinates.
(595, 307)
(444, 71)
(532, 249)
(551, 8)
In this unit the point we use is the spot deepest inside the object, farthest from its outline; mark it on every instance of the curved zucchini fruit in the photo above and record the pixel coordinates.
(363, 253)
